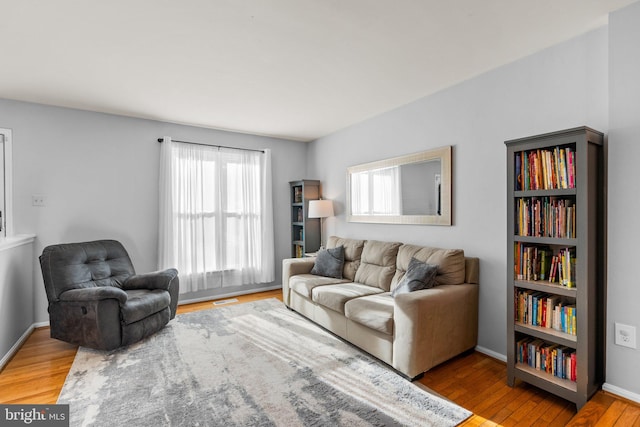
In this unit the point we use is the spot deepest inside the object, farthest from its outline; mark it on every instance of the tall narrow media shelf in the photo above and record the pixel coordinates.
(305, 231)
(555, 262)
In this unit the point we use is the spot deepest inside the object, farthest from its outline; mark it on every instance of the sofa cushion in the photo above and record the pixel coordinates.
(329, 262)
(419, 275)
(352, 254)
(373, 311)
(378, 264)
(302, 284)
(336, 296)
(142, 303)
(450, 262)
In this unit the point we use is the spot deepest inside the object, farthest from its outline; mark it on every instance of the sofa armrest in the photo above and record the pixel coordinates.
(155, 280)
(433, 325)
(293, 267)
(94, 294)
(472, 270)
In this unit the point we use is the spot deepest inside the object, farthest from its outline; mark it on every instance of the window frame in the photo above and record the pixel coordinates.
(7, 166)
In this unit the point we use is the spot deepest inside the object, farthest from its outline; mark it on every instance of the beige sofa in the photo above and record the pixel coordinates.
(413, 331)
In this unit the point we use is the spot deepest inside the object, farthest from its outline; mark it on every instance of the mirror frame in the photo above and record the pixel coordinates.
(443, 154)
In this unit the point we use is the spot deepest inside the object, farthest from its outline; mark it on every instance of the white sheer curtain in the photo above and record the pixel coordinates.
(377, 192)
(387, 196)
(360, 193)
(216, 215)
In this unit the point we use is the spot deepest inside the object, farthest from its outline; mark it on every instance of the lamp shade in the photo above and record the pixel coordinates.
(320, 208)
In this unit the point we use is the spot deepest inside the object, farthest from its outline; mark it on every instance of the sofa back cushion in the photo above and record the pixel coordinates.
(352, 254)
(378, 264)
(450, 262)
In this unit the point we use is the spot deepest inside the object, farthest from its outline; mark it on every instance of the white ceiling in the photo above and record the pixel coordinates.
(297, 69)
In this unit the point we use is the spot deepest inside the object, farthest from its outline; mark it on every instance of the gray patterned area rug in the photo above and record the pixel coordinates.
(252, 364)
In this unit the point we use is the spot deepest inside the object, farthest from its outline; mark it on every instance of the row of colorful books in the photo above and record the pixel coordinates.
(546, 311)
(535, 262)
(546, 217)
(554, 359)
(545, 169)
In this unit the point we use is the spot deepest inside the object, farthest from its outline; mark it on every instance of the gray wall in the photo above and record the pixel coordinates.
(16, 294)
(99, 174)
(623, 299)
(561, 87)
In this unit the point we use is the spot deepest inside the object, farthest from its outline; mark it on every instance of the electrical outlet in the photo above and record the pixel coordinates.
(37, 200)
(625, 335)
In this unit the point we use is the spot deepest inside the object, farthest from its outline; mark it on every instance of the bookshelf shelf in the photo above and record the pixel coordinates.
(528, 371)
(559, 192)
(547, 334)
(565, 166)
(305, 231)
(545, 240)
(545, 286)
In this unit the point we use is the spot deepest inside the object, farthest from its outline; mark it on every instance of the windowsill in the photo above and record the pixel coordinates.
(14, 241)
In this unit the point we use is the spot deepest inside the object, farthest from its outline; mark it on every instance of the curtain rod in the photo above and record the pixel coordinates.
(212, 145)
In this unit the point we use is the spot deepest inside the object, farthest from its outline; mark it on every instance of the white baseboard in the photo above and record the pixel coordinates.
(491, 353)
(635, 397)
(228, 295)
(41, 325)
(621, 392)
(14, 349)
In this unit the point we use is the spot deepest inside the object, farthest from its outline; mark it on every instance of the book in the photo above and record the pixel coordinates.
(518, 171)
(526, 174)
(563, 169)
(552, 303)
(571, 172)
(545, 255)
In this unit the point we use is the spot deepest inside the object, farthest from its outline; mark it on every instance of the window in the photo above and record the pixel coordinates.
(216, 220)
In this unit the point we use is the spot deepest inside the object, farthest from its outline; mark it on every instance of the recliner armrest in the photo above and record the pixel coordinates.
(94, 294)
(155, 280)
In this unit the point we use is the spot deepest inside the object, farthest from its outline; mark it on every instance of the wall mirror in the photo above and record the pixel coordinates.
(411, 189)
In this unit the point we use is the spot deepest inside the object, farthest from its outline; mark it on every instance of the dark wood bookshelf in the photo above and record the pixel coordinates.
(305, 231)
(588, 270)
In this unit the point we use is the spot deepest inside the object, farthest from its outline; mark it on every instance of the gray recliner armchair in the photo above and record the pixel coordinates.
(96, 299)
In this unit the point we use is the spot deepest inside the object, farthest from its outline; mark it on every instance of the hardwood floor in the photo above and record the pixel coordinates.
(473, 380)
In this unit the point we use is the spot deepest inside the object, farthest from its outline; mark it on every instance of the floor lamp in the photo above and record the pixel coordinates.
(320, 209)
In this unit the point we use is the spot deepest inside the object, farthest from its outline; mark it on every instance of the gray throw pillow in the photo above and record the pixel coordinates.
(419, 275)
(329, 263)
